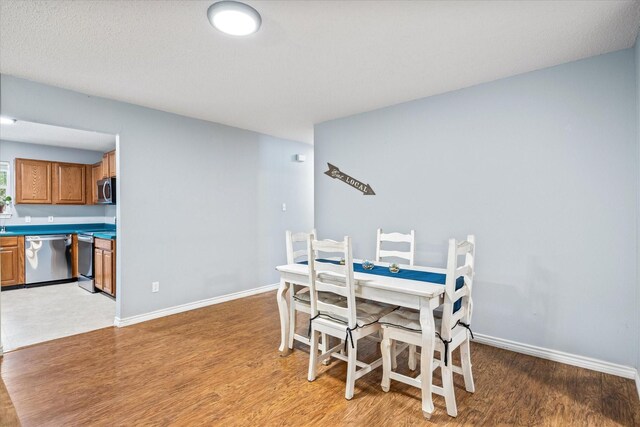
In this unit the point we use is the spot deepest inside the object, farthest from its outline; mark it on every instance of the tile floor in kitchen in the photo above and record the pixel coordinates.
(44, 313)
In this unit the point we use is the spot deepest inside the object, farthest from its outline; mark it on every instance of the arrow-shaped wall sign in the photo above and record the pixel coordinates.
(335, 173)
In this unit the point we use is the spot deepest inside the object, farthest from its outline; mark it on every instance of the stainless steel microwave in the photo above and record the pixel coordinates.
(107, 191)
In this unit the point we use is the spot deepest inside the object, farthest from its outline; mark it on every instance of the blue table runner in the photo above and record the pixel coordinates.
(420, 276)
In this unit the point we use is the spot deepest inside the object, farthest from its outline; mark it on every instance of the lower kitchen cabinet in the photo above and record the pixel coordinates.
(12, 260)
(108, 267)
(104, 265)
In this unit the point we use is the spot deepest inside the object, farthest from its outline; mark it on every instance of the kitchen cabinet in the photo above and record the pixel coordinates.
(89, 184)
(109, 165)
(96, 175)
(112, 163)
(69, 183)
(11, 261)
(33, 181)
(108, 267)
(97, 268)
(104, 265)
(74, 256)
(105, 166)
(58, 183)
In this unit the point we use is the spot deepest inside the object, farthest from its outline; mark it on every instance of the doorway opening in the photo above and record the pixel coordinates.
(58, 232)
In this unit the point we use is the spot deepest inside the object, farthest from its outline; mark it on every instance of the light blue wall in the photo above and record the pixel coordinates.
(282, 179)
(637, 56)
(541, 167)
(10, 150)
(191, 197)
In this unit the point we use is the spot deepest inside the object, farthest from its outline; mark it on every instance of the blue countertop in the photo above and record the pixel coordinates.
(105, 235)
(105, 231)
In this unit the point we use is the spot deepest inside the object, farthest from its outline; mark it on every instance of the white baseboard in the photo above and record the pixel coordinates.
(191, 306)
(638, 382)
(560, 356)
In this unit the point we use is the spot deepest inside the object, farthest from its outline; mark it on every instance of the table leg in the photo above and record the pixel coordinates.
(283, 308)
(426, 355)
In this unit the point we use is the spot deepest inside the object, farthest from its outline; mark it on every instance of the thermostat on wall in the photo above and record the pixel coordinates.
(300, 157)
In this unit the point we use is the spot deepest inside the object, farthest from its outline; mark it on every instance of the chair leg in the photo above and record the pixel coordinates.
(447, 385)
(378, 348)
(351, 370)
(324, 347)
(292, 319)
(313, 354)
(385, 349)
(465, 356)
(412, 357)
(393, 347)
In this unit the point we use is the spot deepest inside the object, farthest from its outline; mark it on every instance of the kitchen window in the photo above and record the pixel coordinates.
(4, 179)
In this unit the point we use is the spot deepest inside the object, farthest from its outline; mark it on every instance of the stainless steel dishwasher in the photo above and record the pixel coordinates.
(85, 262)
(47, 258)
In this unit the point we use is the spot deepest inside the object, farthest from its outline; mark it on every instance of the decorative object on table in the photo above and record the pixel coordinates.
(394, 268)
(4, 201)
(367, 265)
(341, 261)
(335, 173)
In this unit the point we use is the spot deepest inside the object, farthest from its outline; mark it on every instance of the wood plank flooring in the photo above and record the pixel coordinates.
(220, 366)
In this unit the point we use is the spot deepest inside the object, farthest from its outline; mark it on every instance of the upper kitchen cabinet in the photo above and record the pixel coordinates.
(95, 176)
(112, 163)
(33, 181)
(64, 171)
(42, 182)
(109, 164)
(69, 184)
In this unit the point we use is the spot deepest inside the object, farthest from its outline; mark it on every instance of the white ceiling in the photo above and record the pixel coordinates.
(311, 61)
(38, 133)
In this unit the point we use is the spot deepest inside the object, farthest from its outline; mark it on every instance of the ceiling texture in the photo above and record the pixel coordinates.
(310, 62)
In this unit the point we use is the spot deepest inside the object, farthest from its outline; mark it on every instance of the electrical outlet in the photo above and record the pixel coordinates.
(155, 286)
(27, 219)
(50, 219)
(284, 207)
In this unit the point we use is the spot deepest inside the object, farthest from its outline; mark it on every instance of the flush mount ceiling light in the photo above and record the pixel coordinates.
(7, 121)
(234, 18)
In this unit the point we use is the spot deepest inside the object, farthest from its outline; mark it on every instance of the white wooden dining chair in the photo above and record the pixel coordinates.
(346, 319)
(452, 330)
(409, 255)
(409, 238)
(299, 299)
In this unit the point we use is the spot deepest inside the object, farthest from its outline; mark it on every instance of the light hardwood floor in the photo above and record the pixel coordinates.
(220, 366)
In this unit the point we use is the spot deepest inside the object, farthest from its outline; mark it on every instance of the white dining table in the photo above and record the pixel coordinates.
(419, 295)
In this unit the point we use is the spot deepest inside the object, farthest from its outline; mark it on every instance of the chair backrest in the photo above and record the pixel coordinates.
(331, 277)
(451, 315)
(297, 240)
(396, 238)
